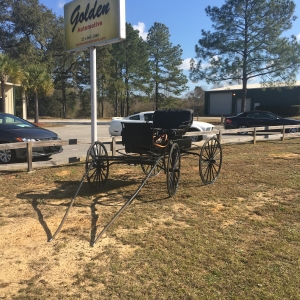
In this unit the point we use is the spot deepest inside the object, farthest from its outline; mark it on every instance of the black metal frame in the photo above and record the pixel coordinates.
(155, 153)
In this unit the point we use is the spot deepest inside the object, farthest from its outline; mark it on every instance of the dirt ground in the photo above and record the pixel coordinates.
(250, 196)
(25, 248)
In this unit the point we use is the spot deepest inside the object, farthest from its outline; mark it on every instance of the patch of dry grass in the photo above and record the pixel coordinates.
(236, 239)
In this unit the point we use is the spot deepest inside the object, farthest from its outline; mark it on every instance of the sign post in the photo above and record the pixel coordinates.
(89, 24)
(93, 94)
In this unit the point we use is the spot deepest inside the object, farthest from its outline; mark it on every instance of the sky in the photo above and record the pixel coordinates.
(184, 18)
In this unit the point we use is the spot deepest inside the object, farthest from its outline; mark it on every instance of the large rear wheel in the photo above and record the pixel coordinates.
(210, 160)
(173, 169)
(97, 165)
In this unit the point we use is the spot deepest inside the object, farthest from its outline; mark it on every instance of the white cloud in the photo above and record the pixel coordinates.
(61, 4)
(205, 65)
(185, 64)
(298, 37)
(141, 28)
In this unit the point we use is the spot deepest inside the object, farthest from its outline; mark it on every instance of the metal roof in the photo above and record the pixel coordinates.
(240, 86)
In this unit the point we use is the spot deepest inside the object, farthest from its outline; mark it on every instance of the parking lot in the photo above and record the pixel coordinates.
(67, 129)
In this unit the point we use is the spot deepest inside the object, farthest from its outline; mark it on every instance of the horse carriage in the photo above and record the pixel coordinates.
(158, 148)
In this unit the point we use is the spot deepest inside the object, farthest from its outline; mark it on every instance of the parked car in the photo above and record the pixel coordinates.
(258, 118)
(14, 129)
(115, 128)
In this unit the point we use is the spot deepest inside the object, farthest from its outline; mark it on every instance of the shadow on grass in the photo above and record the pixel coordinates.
(72, 190)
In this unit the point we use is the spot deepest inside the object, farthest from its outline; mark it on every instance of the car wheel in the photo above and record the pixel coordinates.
(293, 130)
(7, 156)
(195, 138)
(243, 132)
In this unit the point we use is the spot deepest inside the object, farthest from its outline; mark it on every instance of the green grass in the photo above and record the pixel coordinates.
(236, 239)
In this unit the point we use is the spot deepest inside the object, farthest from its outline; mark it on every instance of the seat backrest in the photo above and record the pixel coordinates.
(137, 137)
(177, 119)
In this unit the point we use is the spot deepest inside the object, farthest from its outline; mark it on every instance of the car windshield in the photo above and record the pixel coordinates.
(273, 116)
(242, 115)
(12, 122)
(135, 117)
(258, 115)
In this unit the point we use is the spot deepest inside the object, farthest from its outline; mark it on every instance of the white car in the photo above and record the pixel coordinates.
(115, 128)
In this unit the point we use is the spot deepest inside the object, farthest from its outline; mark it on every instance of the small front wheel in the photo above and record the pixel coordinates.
(157, 170)
(173, 169)
(210, 160)
(97, 165)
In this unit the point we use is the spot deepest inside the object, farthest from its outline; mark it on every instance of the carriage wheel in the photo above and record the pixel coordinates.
(210, 160)
(173, 169)
(159, 167)
(98, 171)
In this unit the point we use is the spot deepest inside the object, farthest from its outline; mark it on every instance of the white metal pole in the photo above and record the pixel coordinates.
(93, 94)
(24, 106)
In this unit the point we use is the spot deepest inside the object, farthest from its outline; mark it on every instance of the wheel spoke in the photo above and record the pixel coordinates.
(5, 156)
(147, 168)
(206, 173)
(97, 155)
(210, 161)
(173, 169)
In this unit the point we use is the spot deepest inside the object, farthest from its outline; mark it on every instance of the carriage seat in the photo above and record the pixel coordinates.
(176, 122)
(137, 137)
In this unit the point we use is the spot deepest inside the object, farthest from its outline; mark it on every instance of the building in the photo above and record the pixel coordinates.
(10, 103)
(228, 100)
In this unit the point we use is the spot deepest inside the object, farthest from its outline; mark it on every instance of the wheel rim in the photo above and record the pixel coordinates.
(173, 169)
(293, 130)
(210, 161)
(5, 156)
(194, 138)
(97, 173)
(243, 132)
(157, 170)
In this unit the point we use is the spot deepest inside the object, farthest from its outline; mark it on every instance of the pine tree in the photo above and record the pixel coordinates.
(247, 43)
(131, 57)
(165, 60)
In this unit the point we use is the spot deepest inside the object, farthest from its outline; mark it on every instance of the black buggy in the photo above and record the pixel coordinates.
(157, 147)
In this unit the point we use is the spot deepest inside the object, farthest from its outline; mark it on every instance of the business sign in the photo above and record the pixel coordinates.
(94, 22)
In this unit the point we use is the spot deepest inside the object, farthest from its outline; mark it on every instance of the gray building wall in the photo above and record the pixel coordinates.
(274, 97)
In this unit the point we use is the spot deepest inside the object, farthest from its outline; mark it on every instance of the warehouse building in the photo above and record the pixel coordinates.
(228, 100)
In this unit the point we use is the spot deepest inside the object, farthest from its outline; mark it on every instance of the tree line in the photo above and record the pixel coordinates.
(248, 41)
(130, 73)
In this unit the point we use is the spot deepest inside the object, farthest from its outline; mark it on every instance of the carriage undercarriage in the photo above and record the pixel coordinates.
(156, 151)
